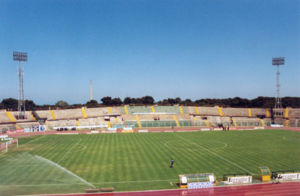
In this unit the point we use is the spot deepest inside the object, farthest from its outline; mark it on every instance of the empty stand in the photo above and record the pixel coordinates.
(167, 109)
(242, 112)
(247, 122)
(4, 117)
(256, 112)
(208, 111)
(150, 116)
(139, 110)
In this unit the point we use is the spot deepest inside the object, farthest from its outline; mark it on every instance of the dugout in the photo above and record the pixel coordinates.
(265, 174)
(193, 181)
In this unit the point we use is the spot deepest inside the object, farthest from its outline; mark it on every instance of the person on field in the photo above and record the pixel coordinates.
(274, 177)
(172, 163)
(278, 179)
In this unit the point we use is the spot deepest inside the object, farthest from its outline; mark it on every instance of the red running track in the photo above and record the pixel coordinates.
(283, 189)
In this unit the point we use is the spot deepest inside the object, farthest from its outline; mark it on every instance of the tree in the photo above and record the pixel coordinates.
(171, 101)
(147, 100)
(127, 100)
(187, 102)
(106, 101)
(91, 104)
(61, 104)
(237, 102)
(263, 102)
(177, 100)
(29, 105)
(293, 102)
(116, 101)
(137, 101)
(10, 103)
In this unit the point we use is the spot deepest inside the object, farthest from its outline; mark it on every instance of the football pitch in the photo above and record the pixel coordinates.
(140, 161)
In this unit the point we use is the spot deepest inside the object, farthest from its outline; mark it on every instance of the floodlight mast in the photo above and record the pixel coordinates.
(278, 106)
(21, 56)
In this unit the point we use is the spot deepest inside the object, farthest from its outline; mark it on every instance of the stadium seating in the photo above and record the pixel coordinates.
(7, 127)
(294, 123)
(44, 114)
(167, 109)
(294, 113)
(260, 112)
(92, 121)
(235, 112)
(94, 112)
(26, 124)
(28, 116)
(139, 109)
(208, 111)
(68, 114)
(247, 122)
(151, 116)
(61, 123)
(163, 123)
(4, 117)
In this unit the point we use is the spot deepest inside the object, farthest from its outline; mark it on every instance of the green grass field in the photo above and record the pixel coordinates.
(139, 161)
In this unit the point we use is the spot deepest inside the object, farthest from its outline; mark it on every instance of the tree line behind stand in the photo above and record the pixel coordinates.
(237, 102)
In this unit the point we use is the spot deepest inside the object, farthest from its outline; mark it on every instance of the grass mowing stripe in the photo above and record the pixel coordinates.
(162, 155)
(196, 160)
(99, 153)
(71, 157)
(146, 158)
(130, 161)
(140, 158)
(69, 150)
(181, 156)
(123, 173)
(105, 165)
(147, 161)
(92, 160)
(151, 158)
(64, 169)
(211, 152)
(241, 158)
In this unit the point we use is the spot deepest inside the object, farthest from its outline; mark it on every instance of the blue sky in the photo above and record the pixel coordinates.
(164, 48)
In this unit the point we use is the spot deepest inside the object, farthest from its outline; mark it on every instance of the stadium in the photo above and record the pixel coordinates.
(199, 98)
(129, 148)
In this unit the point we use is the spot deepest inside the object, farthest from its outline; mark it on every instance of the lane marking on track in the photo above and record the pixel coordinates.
(216, 154)
(252, 189)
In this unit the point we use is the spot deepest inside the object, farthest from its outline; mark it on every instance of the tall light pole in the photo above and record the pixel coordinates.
(278, 106)
(20, 56)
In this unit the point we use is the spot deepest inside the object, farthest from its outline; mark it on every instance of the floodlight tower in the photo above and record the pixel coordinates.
(20, 56)
(278, 106)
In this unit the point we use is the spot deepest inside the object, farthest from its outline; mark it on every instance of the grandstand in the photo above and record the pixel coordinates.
(149, 116)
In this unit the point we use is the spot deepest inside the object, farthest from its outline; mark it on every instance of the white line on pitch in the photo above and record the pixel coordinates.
(216, 154)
